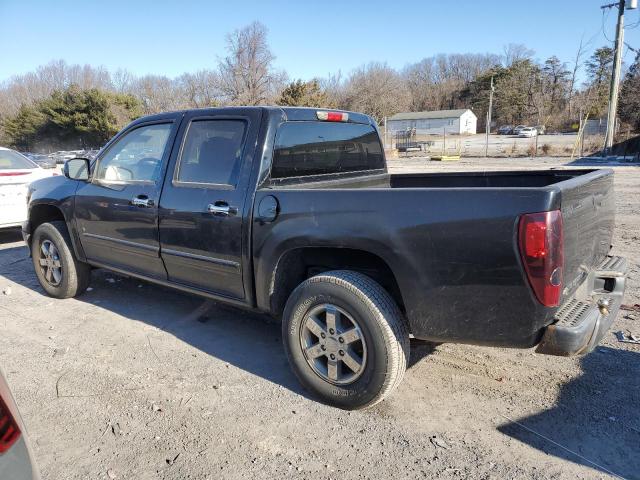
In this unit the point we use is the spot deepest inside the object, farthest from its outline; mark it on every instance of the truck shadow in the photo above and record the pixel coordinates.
(595, 420)
(10, 235)
(603, 162)
(244, 339)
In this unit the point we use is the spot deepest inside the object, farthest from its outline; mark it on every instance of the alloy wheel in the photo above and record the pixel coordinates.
(50, 264)
(333, 344)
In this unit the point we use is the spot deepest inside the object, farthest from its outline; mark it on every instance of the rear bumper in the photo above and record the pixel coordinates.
(583, 320)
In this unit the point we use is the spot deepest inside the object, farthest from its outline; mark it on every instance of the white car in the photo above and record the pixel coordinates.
(518, 128)
(528, 132)
(16, 173)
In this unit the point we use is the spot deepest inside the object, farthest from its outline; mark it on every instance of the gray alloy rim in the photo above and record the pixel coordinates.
(50, 264)
(333, 344)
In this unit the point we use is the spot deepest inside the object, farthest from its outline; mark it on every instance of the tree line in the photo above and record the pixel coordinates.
(60, 105)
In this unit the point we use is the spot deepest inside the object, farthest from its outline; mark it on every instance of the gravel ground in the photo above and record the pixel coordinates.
(136, 381)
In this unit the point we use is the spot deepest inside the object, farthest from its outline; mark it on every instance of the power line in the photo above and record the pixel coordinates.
(605, 17)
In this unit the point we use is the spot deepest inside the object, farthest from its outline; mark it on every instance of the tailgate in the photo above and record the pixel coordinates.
(588, 215)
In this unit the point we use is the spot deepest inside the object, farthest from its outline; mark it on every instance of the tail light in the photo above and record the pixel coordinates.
(541, 249)
(332, 116)
(9, 430)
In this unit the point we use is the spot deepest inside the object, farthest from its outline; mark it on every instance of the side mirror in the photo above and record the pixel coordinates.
(77, 169)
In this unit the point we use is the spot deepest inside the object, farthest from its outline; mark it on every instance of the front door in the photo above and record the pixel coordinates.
(202, 208)
(117, 211)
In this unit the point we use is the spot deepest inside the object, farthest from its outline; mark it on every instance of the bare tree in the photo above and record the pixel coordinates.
(247, 74)
(577, 63)
(514, 52)
(335, 89)
(419, 78)
(157, 94)
(122, 80)
(436, 83)
(378, 90)
(201, 89)
(56, 75)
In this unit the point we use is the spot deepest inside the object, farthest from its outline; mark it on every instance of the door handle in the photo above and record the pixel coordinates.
(221, 208)
(142, 201)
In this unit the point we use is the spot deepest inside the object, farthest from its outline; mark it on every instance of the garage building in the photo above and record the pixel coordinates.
(457, 122)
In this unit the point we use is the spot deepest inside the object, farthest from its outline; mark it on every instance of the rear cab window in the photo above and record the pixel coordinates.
(321, 148)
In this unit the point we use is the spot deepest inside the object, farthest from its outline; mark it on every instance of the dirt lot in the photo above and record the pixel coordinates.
(137, 381)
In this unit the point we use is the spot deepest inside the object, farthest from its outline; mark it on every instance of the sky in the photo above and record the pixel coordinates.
(309, 38)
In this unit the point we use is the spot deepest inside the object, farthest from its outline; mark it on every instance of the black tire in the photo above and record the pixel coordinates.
(382, 326)
(74, 275)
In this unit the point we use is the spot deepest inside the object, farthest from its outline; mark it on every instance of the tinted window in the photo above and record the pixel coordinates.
(10, 160)
(314, 148)
(211, 152)
(136, 157)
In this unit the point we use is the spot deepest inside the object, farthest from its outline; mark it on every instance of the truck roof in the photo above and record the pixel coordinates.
(289, 113)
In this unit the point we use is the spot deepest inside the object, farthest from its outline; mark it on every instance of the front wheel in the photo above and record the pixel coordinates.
(57, 269)
(345, 338)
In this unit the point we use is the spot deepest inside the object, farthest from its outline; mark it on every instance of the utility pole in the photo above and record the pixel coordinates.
(615, 75)
(489, 112)
(385, 132)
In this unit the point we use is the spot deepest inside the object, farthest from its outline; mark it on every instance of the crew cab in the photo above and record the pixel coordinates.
(292, 212)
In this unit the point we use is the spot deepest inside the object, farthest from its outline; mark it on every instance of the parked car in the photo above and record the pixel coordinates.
(292, 212)
(16, 173)
(540, 129)
(16, 458)
(90, 154)
(528, 132)
(43, 161)
(517, 129)
(505, 130)
(63, 156)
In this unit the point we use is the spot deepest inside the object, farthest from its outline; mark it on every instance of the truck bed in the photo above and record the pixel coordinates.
(451, 240)
(504, 179)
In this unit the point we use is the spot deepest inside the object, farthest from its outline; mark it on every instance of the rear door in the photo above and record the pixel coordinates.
(117, 211)
(203, 207)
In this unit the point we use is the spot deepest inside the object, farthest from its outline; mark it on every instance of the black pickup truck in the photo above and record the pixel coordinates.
(291, 211)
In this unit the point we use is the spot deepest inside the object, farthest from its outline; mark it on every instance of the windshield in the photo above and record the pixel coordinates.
(10, 160)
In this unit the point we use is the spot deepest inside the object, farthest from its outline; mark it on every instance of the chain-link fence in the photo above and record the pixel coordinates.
(552, 145)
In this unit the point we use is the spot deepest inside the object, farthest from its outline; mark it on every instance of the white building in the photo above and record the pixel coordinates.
(455, 122)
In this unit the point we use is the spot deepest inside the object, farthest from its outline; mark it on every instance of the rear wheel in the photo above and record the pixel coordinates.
(345, 339)
(57, 269)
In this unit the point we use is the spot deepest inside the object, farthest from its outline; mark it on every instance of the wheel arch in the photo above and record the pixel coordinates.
(297, 264)
(40, 213)
(44, 212)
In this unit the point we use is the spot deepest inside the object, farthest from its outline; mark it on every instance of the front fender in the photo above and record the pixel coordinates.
(50, 199)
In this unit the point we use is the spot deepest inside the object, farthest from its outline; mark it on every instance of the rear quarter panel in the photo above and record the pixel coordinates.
(453, 252)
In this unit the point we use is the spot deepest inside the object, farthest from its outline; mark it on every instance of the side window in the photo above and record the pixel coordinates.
(211, 153)
(136, 157)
